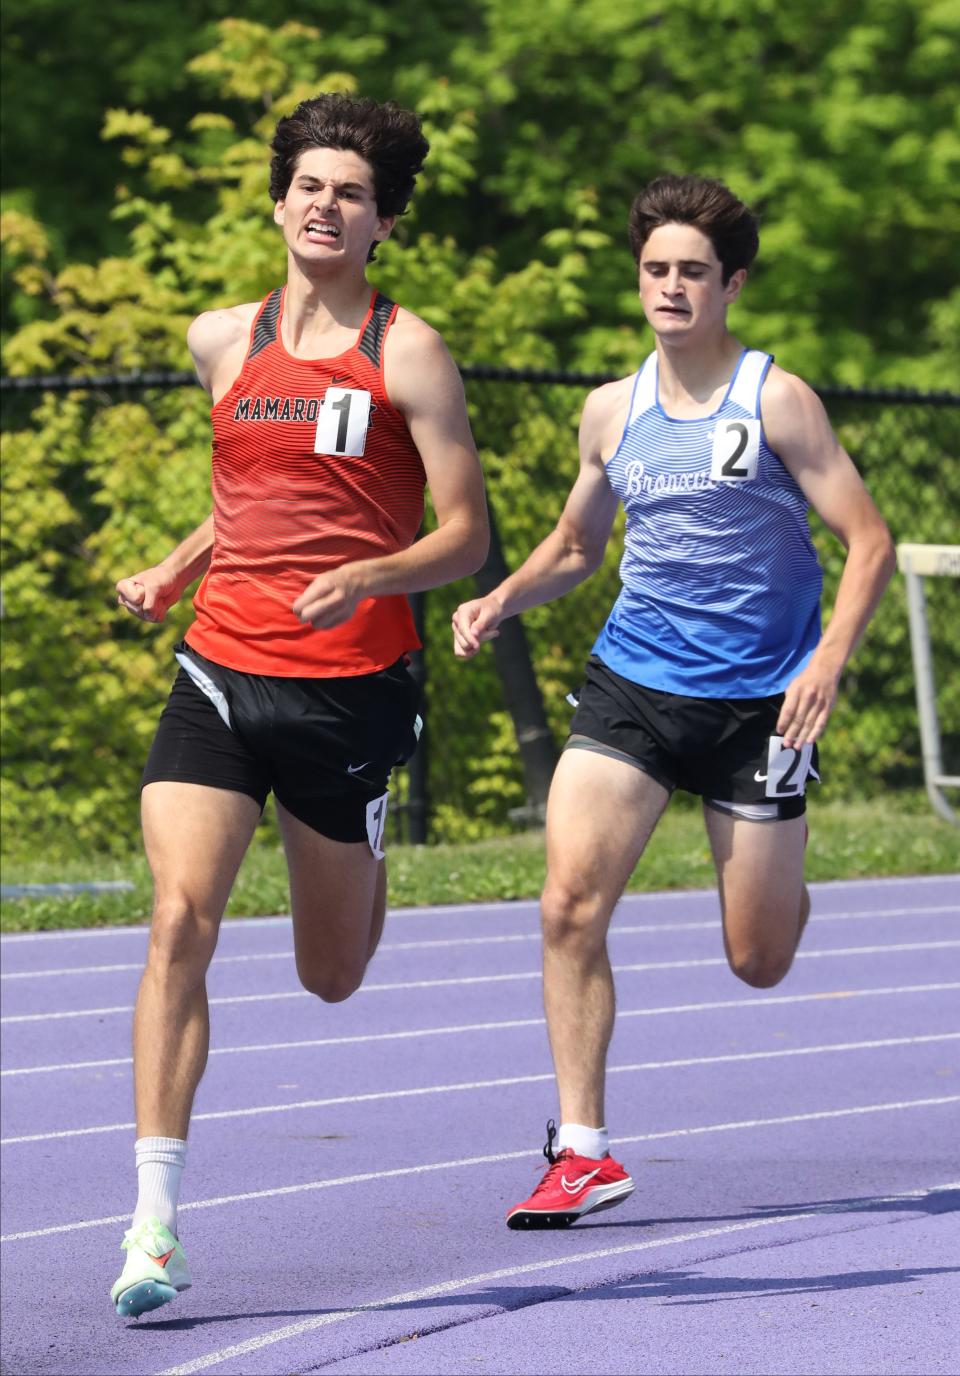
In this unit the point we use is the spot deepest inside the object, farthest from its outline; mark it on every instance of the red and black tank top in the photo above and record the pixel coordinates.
(312, 468)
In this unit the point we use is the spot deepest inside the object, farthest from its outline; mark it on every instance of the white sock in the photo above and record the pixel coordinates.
(160, 1163)
(590, 1142)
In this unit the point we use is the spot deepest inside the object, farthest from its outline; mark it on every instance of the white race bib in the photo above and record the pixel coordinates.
(736, 448)
(787, 769)
(342, 421)
(376, 821)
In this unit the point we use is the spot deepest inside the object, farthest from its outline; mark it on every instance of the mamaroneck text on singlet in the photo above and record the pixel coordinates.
(312, 468)
(721, 582)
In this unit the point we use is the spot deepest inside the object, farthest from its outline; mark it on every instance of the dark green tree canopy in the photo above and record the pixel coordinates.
(839, 123)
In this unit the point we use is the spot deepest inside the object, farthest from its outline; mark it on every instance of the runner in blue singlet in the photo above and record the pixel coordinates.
(710, 674)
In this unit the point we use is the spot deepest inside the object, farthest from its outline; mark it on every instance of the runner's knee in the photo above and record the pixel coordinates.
(760, 967)
(763, 961)
(572, 915)
(331, 985)
(182, 937)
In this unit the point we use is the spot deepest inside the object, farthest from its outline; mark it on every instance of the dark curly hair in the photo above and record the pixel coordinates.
(705, 203)
(388, 138)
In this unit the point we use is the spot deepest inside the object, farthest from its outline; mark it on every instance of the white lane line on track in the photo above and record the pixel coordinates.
(495, 1158)
(510, 1023)
(500, 1083)
(474, 909)
(884, 881)
(296, 1330)
(495, 979)
(446, 943)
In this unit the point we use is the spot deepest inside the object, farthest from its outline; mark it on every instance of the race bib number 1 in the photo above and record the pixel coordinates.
(787, 769)
(736, 448)
(376, 821)
(342, 422)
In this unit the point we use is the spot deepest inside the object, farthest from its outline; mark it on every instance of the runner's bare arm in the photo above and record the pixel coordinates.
(798, 430)
(217, 341)
(423, 383)
(151, 593)
(574, 549)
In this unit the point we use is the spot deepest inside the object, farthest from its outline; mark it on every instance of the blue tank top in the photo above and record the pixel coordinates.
(721, 582)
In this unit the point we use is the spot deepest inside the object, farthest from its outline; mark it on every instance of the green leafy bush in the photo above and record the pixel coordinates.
(514, 250)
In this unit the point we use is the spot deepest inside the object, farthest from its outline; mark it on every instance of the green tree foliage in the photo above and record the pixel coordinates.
(839, 122)
(543, 120)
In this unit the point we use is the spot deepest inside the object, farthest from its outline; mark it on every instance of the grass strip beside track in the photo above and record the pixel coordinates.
(897, 835)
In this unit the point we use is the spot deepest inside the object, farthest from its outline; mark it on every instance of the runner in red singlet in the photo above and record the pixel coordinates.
(333, 408)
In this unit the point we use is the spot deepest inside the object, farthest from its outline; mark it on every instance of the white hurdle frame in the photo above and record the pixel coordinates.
(916, 563)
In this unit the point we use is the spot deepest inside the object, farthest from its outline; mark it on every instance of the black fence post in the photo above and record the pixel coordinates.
(521, 691)
(418, 800)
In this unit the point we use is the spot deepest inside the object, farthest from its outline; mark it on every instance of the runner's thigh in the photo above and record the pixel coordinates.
(201, 797)
(195, 838)
(335, 888)
(760, 876)
(600, 815)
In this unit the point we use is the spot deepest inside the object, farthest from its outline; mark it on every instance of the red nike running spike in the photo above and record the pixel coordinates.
(571, 1187)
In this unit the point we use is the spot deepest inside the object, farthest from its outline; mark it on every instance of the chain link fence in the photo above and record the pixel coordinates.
(103, 475)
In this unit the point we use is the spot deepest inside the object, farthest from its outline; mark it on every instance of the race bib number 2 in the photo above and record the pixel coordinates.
(787, 769)
(342, 422)
(736, 448)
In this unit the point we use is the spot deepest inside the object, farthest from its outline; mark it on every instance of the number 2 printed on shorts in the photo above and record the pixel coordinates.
(787, 769)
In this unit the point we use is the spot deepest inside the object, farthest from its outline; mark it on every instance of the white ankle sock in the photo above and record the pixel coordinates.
(160, 1163)
(591, 1142)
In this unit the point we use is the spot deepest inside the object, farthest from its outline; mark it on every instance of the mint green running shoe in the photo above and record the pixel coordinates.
(154, 1272)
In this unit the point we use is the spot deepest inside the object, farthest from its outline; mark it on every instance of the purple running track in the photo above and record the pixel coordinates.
(795, 1153)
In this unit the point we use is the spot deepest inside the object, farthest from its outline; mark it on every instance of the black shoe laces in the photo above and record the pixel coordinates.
(551, 1135)
(555, 1159)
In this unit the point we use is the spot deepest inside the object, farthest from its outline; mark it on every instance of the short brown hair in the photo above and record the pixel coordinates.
(388, 138)
(707, 204)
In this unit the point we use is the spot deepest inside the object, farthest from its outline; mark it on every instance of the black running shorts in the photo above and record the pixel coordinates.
(325, 746)
(724, 749)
